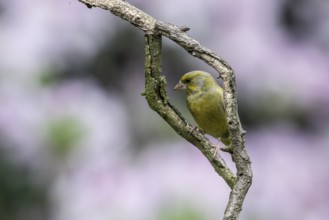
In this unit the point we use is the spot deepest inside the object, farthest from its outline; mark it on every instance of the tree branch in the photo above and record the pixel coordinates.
(156, 96)
(158, 101)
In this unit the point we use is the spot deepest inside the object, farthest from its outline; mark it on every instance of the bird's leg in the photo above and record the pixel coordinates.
(215, 151)
(227, 149)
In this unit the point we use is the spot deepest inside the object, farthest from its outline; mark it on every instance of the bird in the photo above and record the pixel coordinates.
(205, 101)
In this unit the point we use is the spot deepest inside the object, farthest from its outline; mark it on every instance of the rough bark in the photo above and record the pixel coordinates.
(156, 96)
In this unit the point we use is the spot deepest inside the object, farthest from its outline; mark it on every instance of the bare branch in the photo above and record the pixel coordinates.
(125, 11)
(156, 96)
(158, 100)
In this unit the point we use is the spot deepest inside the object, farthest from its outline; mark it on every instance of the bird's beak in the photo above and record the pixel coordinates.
(180, 85)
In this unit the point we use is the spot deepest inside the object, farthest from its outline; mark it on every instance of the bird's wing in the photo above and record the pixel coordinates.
(219, 93)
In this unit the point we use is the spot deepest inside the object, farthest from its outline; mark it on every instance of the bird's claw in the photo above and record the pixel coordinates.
(215, 152)
(197, 129)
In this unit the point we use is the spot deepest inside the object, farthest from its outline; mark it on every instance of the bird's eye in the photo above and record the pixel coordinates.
(188, 80)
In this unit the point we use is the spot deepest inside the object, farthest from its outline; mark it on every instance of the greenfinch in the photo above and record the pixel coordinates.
(206, 104)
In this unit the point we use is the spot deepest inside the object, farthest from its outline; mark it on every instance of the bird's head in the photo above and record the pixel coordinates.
(196, 81)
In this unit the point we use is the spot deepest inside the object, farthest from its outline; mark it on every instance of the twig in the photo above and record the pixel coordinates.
(158, 101)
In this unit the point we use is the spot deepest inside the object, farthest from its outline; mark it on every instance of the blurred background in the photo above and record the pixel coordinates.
(78, 141)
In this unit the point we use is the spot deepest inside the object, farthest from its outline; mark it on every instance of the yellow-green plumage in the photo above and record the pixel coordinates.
(206, 103)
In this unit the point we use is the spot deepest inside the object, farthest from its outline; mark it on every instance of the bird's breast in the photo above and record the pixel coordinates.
(208, 112)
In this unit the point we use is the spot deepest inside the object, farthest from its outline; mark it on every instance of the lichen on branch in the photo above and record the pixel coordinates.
(155, 94)
(157, 99)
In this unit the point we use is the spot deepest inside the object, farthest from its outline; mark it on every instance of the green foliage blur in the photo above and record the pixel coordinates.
(21, 195)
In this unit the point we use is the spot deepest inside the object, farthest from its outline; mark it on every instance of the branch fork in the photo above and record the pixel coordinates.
(155, 94)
